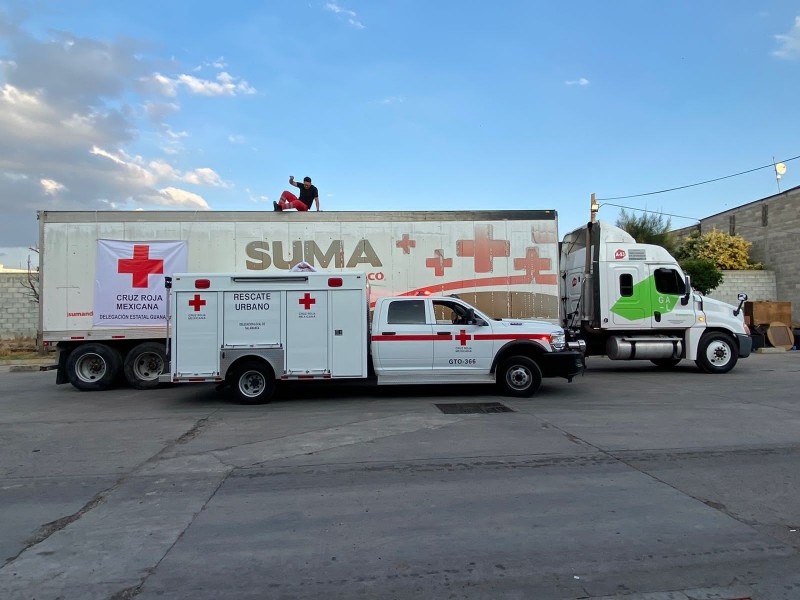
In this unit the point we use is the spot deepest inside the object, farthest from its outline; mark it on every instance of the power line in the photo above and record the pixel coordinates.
(683, 187)
(655, 212)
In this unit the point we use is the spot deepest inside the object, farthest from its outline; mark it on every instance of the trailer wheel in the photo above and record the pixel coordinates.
(93, 367)
(253, 383)
(666, 363)
(144, 364)
(717, 352)
(519, 376)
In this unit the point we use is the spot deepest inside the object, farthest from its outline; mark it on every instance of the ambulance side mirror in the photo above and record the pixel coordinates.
(470, 316)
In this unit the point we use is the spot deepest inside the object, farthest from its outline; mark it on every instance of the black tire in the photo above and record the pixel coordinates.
(717, 352)
(93, 367)
(666, 363)
(519, 376)
(253, 382)
(143, 364)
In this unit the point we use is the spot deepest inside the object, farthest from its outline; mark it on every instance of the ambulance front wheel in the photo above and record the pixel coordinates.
(253, 383)
(519, 376)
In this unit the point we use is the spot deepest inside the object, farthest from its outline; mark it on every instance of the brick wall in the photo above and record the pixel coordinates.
(772, 225)
(19, 314)
(758, 285)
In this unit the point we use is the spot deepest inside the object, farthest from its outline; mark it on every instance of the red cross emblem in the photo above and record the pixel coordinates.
(307, 301)
(438, 263)
(406, 244)
(197, 302)
(463, 337)
(533, 267)
(140, 266)
(483, 248)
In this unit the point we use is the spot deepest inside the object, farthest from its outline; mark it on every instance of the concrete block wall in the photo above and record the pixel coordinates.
(772, 225)
(758, 285)
(19, 314)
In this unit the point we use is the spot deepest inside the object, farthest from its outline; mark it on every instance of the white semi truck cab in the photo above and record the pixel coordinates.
(632, 301)
(254, 330)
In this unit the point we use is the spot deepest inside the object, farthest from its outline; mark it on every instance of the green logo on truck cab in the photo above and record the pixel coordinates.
(644, 302)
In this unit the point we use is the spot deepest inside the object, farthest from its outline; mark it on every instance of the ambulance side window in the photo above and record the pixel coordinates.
(406, 312)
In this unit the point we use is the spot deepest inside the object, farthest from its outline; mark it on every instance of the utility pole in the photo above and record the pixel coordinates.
(594, 208)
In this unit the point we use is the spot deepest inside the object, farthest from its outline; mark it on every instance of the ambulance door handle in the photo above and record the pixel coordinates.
(442, 333)
(388, 333)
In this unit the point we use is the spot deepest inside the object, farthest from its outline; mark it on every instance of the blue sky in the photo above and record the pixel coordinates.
(392, 105)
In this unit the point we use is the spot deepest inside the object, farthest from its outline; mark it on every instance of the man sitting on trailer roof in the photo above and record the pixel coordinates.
(308, 194)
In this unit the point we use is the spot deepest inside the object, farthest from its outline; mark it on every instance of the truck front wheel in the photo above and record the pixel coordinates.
(717, 352)
(144, 364)
(93, 367)
(519, 376)
(253, 383)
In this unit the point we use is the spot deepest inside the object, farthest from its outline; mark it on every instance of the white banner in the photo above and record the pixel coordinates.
(129, 281)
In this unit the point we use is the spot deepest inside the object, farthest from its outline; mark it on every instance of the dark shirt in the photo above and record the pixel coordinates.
(307, 195)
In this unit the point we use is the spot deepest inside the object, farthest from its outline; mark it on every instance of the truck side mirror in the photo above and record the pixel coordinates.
(687, 292)
(742, 298)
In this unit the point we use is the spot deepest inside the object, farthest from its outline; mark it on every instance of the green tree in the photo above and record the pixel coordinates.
(727, 252)
(648, 228)
(704, 273)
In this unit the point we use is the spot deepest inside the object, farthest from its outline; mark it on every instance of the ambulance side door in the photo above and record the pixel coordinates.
(404, 340)
(457, 345)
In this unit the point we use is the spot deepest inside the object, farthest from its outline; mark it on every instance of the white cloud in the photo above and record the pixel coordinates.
(175, 197)
(393, 100)
(236, 139)
(51, 186)
(581, 82)
(789, 42)
(225, 85)
(350, 16)
(70, 109)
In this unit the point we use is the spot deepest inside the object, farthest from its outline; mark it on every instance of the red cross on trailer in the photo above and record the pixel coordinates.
(533, 266)
(483, 248)
(463, 337)
(307, 301)
(406, 244)
(197, 302)
(141, 265)
(438, 263)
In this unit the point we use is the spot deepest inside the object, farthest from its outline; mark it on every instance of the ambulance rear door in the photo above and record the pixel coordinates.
(196, 343)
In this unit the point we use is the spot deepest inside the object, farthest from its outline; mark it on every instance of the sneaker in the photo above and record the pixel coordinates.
(276, 207)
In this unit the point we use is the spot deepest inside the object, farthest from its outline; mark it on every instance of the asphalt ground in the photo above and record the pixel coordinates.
(630, 482)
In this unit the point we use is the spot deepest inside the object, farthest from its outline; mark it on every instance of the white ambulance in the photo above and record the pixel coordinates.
(254, 330)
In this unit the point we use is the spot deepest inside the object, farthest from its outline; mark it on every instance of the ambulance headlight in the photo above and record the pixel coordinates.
(558, 341)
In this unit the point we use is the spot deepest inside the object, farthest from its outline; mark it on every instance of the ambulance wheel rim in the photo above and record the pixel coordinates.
(148, 366)
(518, 377)
(90, 367)
(252, 383)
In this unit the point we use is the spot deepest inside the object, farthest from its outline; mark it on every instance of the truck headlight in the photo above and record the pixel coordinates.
(558, 341)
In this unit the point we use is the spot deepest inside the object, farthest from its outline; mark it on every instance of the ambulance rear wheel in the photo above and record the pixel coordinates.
(253, 383)
(144, 364)
(519, 376)
(93, 367)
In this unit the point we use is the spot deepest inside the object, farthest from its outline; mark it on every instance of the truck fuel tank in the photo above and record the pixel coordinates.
(647, 348)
